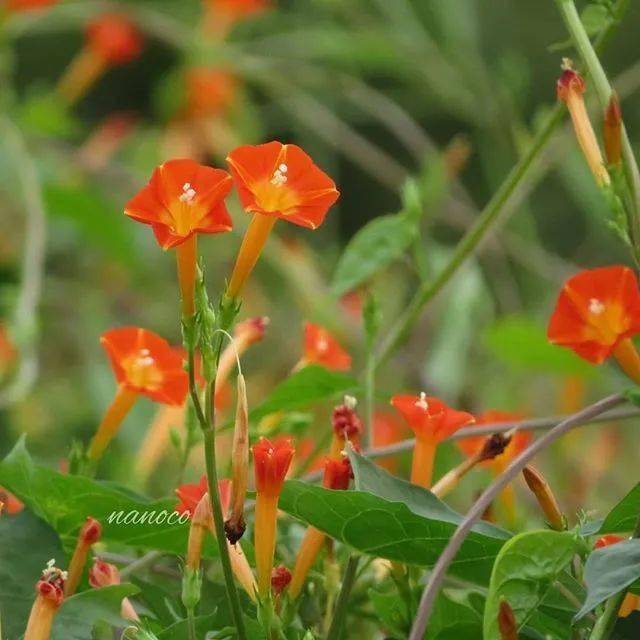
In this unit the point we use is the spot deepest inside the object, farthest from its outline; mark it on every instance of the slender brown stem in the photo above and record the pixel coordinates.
(475, 513)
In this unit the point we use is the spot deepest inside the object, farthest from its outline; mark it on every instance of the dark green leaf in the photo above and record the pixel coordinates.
(80, 613)
(457, 615)
(26, 545)
(309, 385)
(65, 501)
(374, 247)
(624, 515)
(393, 519)
(524, 574)
(608, 571)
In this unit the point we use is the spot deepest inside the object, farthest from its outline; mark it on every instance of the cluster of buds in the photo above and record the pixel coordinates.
(347, 427)
(50, 593)
(89, 534)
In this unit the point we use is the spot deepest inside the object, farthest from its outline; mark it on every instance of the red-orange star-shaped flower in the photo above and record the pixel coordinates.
(432, 421)
(271, 463)
(183, 199)
(320, 347)
(276, 180)
(145, 363)
(597, 313)
(190, 495)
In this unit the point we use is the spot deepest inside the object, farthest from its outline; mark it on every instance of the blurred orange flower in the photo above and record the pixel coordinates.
(28, 5)
(114, 38)
(190, 495)
(275, 180)
(596, 314)
(209, 91)
(432, 421)
(320, 347)
(388, 429)
(182, 199)
(8, 352)
(11, 504)
(221, 15)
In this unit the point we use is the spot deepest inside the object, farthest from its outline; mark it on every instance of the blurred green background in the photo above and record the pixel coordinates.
(375, 91)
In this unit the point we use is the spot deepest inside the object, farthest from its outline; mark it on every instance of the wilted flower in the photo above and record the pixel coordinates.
(432, 421)
(597, 313)
(271, 463)
(320, 347)
(49, 598)
(144, 364)
(275, 181)
(181, 200)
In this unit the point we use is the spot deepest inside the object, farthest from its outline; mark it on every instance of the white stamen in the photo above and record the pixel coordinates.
(188, 193)
(350, 402)
(596, 307)
(283, 168)
(278, 178)
(322, 344)
(422, 402)
(145, 361)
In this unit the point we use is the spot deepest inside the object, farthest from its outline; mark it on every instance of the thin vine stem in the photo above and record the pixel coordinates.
(474, 514)
(342, 605)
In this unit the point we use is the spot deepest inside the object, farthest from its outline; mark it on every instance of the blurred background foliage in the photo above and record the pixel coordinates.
(376, 91)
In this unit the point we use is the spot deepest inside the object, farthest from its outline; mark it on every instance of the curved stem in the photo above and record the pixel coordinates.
(475, 513)
(342, 606)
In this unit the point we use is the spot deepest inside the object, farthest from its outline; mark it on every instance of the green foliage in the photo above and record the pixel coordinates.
(608, 571)
(624, 516)
(524, 573)
(393, 519)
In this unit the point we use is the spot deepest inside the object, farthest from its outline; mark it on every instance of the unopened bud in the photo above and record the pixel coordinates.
(89, 534)
(570, 89)
(251, 331)
(545, 497)
(613, 131)
(91, 531)
(337, 474)
(200, 522)
(103, 574)
(191, 588)
(235, 525)
(280, 579)
(507, 622)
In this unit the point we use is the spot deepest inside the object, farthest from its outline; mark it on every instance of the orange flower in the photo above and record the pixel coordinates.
(190, 495)
(320, 347)
(110, 40)
(337, 475)
(145, 364)
(597, 313)
(570, 89)
(102, 574)
(89, 534)
(49, 598)
(221, 15)
(432, 421)
(631, 602)
(182, 199)
(8, 352)
(275, 180)
(271, 463)
(10, 504)
(210, 92)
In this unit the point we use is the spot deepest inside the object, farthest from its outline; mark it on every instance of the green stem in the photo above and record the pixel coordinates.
(603, 89)
(606, 623)
(342, 605)
(490, 214)
(191, 622)
(369, 391)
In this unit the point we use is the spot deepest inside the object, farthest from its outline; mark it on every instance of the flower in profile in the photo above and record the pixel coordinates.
(111, 40)
(190, 495)
(89, 534)
(631, 601)
(102, 574)
(181, 200)
(275, 180)
(10, 504)
(432, 421)
(337, 475)
(519, 441)
(321, 348)
(570, 89)
(271, 463)
(347, 427)
(597, 313)
(49, 598)
(143, 364)
(209, 91)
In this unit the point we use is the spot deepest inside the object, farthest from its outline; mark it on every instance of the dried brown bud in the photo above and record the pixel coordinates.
(613, 131)
(507, 622)
(547, 501)
(494, 445)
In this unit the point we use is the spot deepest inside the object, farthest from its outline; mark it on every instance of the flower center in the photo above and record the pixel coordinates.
(279, 178)
(422, 403)
(188, 194)
(596, 307)
(142, 370)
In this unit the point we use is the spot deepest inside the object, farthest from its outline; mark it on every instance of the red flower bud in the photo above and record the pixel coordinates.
(271, 463)
(280, 579)
(114, 38)
(345, 421)
(91, 531)
(337, 474)
(103, 574)
(569, 82)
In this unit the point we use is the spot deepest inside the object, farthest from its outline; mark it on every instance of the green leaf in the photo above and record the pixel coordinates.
(608, 571)
(391, 611)
(524, 574)
(624, 515)
(307, 386)
(27, 544)
(522, 344)
(595, 18)
(393, 519)
(65, 501)
(80, 613)
(457, 615)
(378, 244)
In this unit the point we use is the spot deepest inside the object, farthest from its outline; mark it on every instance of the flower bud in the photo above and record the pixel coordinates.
(103, 574)
(507, 622)
(280, 579)
(89, 534)
(337, 474)
(545, 497)
(235, 525)
(613, 131)
(191, 588)
(346, 426)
